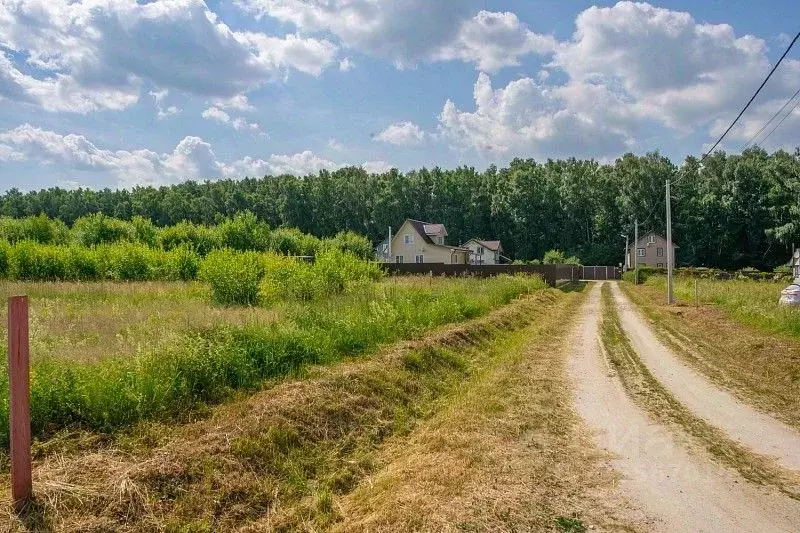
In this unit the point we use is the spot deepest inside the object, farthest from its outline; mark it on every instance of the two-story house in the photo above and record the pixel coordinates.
(421, 242)
(484, 252)
(651, 251)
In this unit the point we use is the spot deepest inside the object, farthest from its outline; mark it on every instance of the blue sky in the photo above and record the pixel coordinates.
(115, 93)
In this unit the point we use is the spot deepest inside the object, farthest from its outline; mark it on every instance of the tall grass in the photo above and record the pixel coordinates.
(752, 303)
(208, 364)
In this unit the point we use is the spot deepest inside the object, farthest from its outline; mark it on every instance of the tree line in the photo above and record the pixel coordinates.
(730, 211)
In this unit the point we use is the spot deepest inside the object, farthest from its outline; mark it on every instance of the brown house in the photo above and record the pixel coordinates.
(651, 251)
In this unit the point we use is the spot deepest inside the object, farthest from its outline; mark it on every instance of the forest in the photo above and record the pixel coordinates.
(729, 211)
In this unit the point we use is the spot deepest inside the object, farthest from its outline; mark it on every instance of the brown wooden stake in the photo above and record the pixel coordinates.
(19, 399)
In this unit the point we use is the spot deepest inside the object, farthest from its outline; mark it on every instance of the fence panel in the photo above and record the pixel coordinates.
(548, 272)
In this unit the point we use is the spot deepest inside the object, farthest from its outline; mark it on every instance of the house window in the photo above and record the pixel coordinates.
(479, 251)
(440, 240)
(660, 252)
(418, 259)
(398, 259)
(651, 239)
(408, 238)
(641, 252)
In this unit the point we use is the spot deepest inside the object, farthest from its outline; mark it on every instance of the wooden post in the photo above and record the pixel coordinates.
(19, 399)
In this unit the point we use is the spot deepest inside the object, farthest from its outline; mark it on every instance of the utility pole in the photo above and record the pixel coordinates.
(636, 252)
(389, 247)
(670, 259)
(626, 261)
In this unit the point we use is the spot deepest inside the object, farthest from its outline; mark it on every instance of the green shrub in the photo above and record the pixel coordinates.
(144, 231)
(234, 276)
(201, 239)
(557, 257)
(292, 241)
(4, 248)
(244, 232)
(349, 241)
(83, 264)
(95, 229)
(31, 261)
(128, 261)
(38, 228)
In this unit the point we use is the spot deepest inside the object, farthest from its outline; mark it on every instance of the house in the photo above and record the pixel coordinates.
(422, 242)
(651, 251)
(484, 252)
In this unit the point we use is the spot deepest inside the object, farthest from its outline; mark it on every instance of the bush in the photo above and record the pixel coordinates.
(201, 239)
(557, 257)
(127, 262)
(95, 229)
(144, 231)
(349, 241)
(292, 241)
(83, 264)
(31, 261)
(244, 232)
(40, 229)
(234, 276)
(4, 248)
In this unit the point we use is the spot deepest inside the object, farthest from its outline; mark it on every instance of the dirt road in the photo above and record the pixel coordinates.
(679, 487)
(760, 432)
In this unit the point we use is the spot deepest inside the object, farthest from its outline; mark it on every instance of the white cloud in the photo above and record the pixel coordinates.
(665, 66)
(333, 144)
(346, 64)
(629, 68)
(526, 118)
(403, 31)
(93, 54)
(192, 158)
(376, 167)
(168, 112)
(495, 40)
(9, 154)
(161, 111)
(218, 115)
(238, 102)
(402, 134)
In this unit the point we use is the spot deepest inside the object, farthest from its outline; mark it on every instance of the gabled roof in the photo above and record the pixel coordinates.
(426, 229)
(494, 246)
(642, 237)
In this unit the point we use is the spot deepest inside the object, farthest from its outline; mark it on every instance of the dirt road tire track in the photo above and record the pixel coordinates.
(679, 489)
(760, 432)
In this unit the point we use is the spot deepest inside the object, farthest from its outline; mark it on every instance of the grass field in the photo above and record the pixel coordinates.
(478, 411)
(107, 355)
(751, 303)
(736, 335)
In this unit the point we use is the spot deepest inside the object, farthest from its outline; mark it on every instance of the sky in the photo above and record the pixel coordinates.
(120, 93)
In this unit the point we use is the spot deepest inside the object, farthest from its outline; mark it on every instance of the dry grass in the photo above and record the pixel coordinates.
(89, 321)
(278, 460)
(507, 453)
(759, 367)
(646, 391)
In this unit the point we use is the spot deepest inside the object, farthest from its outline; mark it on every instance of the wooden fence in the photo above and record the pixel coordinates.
(550, 273)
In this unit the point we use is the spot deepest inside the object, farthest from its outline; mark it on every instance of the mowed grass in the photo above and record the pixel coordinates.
(283, 458)
(752, 303)
(108, 355)
(745, 347)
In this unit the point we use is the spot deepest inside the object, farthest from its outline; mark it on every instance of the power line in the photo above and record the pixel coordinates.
(767, 123)
(781, 121)
(753, 97)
